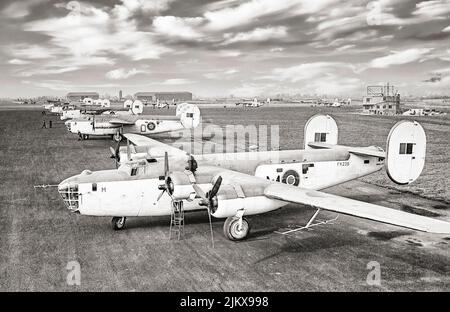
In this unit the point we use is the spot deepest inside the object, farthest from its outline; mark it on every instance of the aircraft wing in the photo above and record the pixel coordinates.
(121, 121)
(356, 208)
(256, 186)
(154, 147)
(364, 151)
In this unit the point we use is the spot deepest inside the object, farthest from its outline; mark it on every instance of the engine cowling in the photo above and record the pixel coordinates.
(179, 186)
(228, 207)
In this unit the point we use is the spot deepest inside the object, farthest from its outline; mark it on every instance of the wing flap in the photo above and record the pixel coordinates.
(356, 208)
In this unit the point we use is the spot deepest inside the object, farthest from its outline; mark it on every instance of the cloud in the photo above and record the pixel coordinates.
(20, 9)
(177, 81)
(277, 49)
(121, 73)
(18, 62)
(317, 77)
(32, 51)
(146, 6)
(173, 26)
(96, 32)
(250, 11)
(227, 74)
(382, 12)
(47, 71)
(434, 79)
(256, 35)
(306, 71)
(61, 85)
(401, 57)
(229, 53)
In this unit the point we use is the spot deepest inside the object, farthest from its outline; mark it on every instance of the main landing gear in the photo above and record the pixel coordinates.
(117, 137)
(236, 228)
(82, 137)
(118, 223)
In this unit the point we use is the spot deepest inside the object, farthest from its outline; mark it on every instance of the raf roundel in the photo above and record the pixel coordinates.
(151, 126)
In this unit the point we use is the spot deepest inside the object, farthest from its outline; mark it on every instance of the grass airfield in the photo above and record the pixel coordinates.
(39, 236)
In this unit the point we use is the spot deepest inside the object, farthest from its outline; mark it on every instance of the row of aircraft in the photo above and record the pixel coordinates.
(98, 118)
(252, 103)
(153, 177)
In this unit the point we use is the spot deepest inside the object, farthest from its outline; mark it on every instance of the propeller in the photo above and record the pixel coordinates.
(115, 154)
(165, 187)
(209, 199)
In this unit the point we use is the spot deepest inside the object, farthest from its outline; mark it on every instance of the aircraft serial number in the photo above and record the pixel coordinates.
(343, 163)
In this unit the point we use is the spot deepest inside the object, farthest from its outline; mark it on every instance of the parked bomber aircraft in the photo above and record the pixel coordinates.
(81, 111)
(187, 117)
(243, 184)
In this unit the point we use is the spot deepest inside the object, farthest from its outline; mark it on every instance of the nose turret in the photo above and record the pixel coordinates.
(68, 190)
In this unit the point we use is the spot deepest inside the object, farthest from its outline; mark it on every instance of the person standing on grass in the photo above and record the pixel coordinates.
(44, 125)
(50, 124)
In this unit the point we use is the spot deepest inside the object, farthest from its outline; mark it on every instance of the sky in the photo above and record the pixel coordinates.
(243, 48)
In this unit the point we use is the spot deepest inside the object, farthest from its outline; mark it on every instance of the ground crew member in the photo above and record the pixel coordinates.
(44, 125)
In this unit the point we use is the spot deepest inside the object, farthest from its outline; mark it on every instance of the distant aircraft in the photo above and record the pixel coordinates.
(79, 111)
(243, 184)
(254, 103)
(187, 117)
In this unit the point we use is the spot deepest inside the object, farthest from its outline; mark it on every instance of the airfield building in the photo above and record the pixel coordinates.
(80, 96)
(163, 96)
(381, 100)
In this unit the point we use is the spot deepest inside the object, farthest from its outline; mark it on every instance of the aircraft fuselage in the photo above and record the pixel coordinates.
(132, 190)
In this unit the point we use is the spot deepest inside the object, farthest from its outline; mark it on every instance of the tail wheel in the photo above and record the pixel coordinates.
(234, 231)
(85, 137)
(118, 223)
(117, 137)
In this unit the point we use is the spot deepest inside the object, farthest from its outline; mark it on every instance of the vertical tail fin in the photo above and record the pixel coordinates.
(405, 152)
(320, 128)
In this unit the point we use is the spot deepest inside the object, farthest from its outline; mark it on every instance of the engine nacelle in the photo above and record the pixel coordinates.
(251, 205)
(180, 186)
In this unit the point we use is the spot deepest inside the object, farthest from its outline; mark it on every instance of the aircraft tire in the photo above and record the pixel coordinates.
(85, 137)
(118, 223)
(231, 231)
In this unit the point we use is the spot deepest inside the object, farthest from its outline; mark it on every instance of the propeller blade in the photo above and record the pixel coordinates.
(215, 188)
(128, 150)
(200, 192)
(166, 165)
(117, 151)
(160, 195)
(113, 152)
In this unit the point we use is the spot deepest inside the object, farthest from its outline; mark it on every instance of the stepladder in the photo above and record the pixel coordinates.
(177, 220)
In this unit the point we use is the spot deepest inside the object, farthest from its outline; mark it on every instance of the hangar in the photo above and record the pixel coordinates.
(79, 96)
(163, 96)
